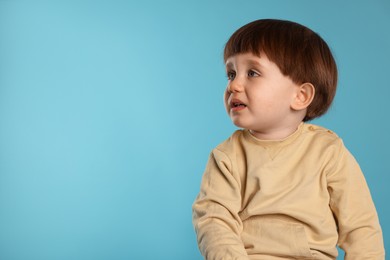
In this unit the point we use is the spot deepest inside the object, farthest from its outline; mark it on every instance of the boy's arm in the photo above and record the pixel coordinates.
(360, 234)
(215, 211)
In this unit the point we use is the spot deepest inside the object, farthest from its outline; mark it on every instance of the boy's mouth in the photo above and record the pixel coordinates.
(237, 105)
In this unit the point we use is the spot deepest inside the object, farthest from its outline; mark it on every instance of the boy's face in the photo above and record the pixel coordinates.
(258, 96)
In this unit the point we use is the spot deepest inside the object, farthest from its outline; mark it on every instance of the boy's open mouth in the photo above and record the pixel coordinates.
(237, 104)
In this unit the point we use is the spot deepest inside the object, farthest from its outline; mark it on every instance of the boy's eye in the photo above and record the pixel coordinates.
(231, 75)
(252, 73)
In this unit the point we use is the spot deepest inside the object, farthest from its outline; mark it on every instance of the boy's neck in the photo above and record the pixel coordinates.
(276, 134)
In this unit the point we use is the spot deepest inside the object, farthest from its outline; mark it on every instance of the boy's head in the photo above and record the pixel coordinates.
(300, 54)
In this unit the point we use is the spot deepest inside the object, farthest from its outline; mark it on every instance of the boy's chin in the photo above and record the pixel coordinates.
(238, 124)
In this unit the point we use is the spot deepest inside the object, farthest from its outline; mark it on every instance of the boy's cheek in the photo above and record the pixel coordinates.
(226, 103)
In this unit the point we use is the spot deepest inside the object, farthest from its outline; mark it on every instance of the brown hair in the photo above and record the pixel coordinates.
(299, 53)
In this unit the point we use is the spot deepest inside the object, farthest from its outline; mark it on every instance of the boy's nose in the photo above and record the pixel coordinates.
(235, 86)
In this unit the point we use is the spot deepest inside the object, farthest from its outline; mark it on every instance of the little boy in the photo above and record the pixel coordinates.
(281, 188)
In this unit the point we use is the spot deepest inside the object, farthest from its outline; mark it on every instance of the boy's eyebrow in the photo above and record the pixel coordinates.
(251, 62)
(254, 63)
(229, 65)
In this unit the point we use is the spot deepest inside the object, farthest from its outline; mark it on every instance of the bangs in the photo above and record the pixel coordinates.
(280, 40)
(244, 41)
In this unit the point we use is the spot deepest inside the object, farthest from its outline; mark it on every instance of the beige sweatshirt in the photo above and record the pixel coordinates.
(295, 198)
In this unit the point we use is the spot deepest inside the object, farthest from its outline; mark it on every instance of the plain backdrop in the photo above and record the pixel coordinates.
(109, 109)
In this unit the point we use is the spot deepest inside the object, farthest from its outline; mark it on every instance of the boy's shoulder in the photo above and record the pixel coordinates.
(234, 140)
(318, 138)
(320, 133)
(319, 130)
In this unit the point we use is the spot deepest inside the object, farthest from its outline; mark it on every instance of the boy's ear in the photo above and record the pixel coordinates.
(304, 96)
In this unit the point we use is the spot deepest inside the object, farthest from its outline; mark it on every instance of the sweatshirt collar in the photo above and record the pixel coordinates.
(274, 143)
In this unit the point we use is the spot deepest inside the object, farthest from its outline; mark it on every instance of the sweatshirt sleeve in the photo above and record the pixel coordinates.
(360, 234)
(215, 211)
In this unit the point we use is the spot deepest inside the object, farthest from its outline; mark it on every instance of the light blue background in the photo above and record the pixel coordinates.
(109, 109)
